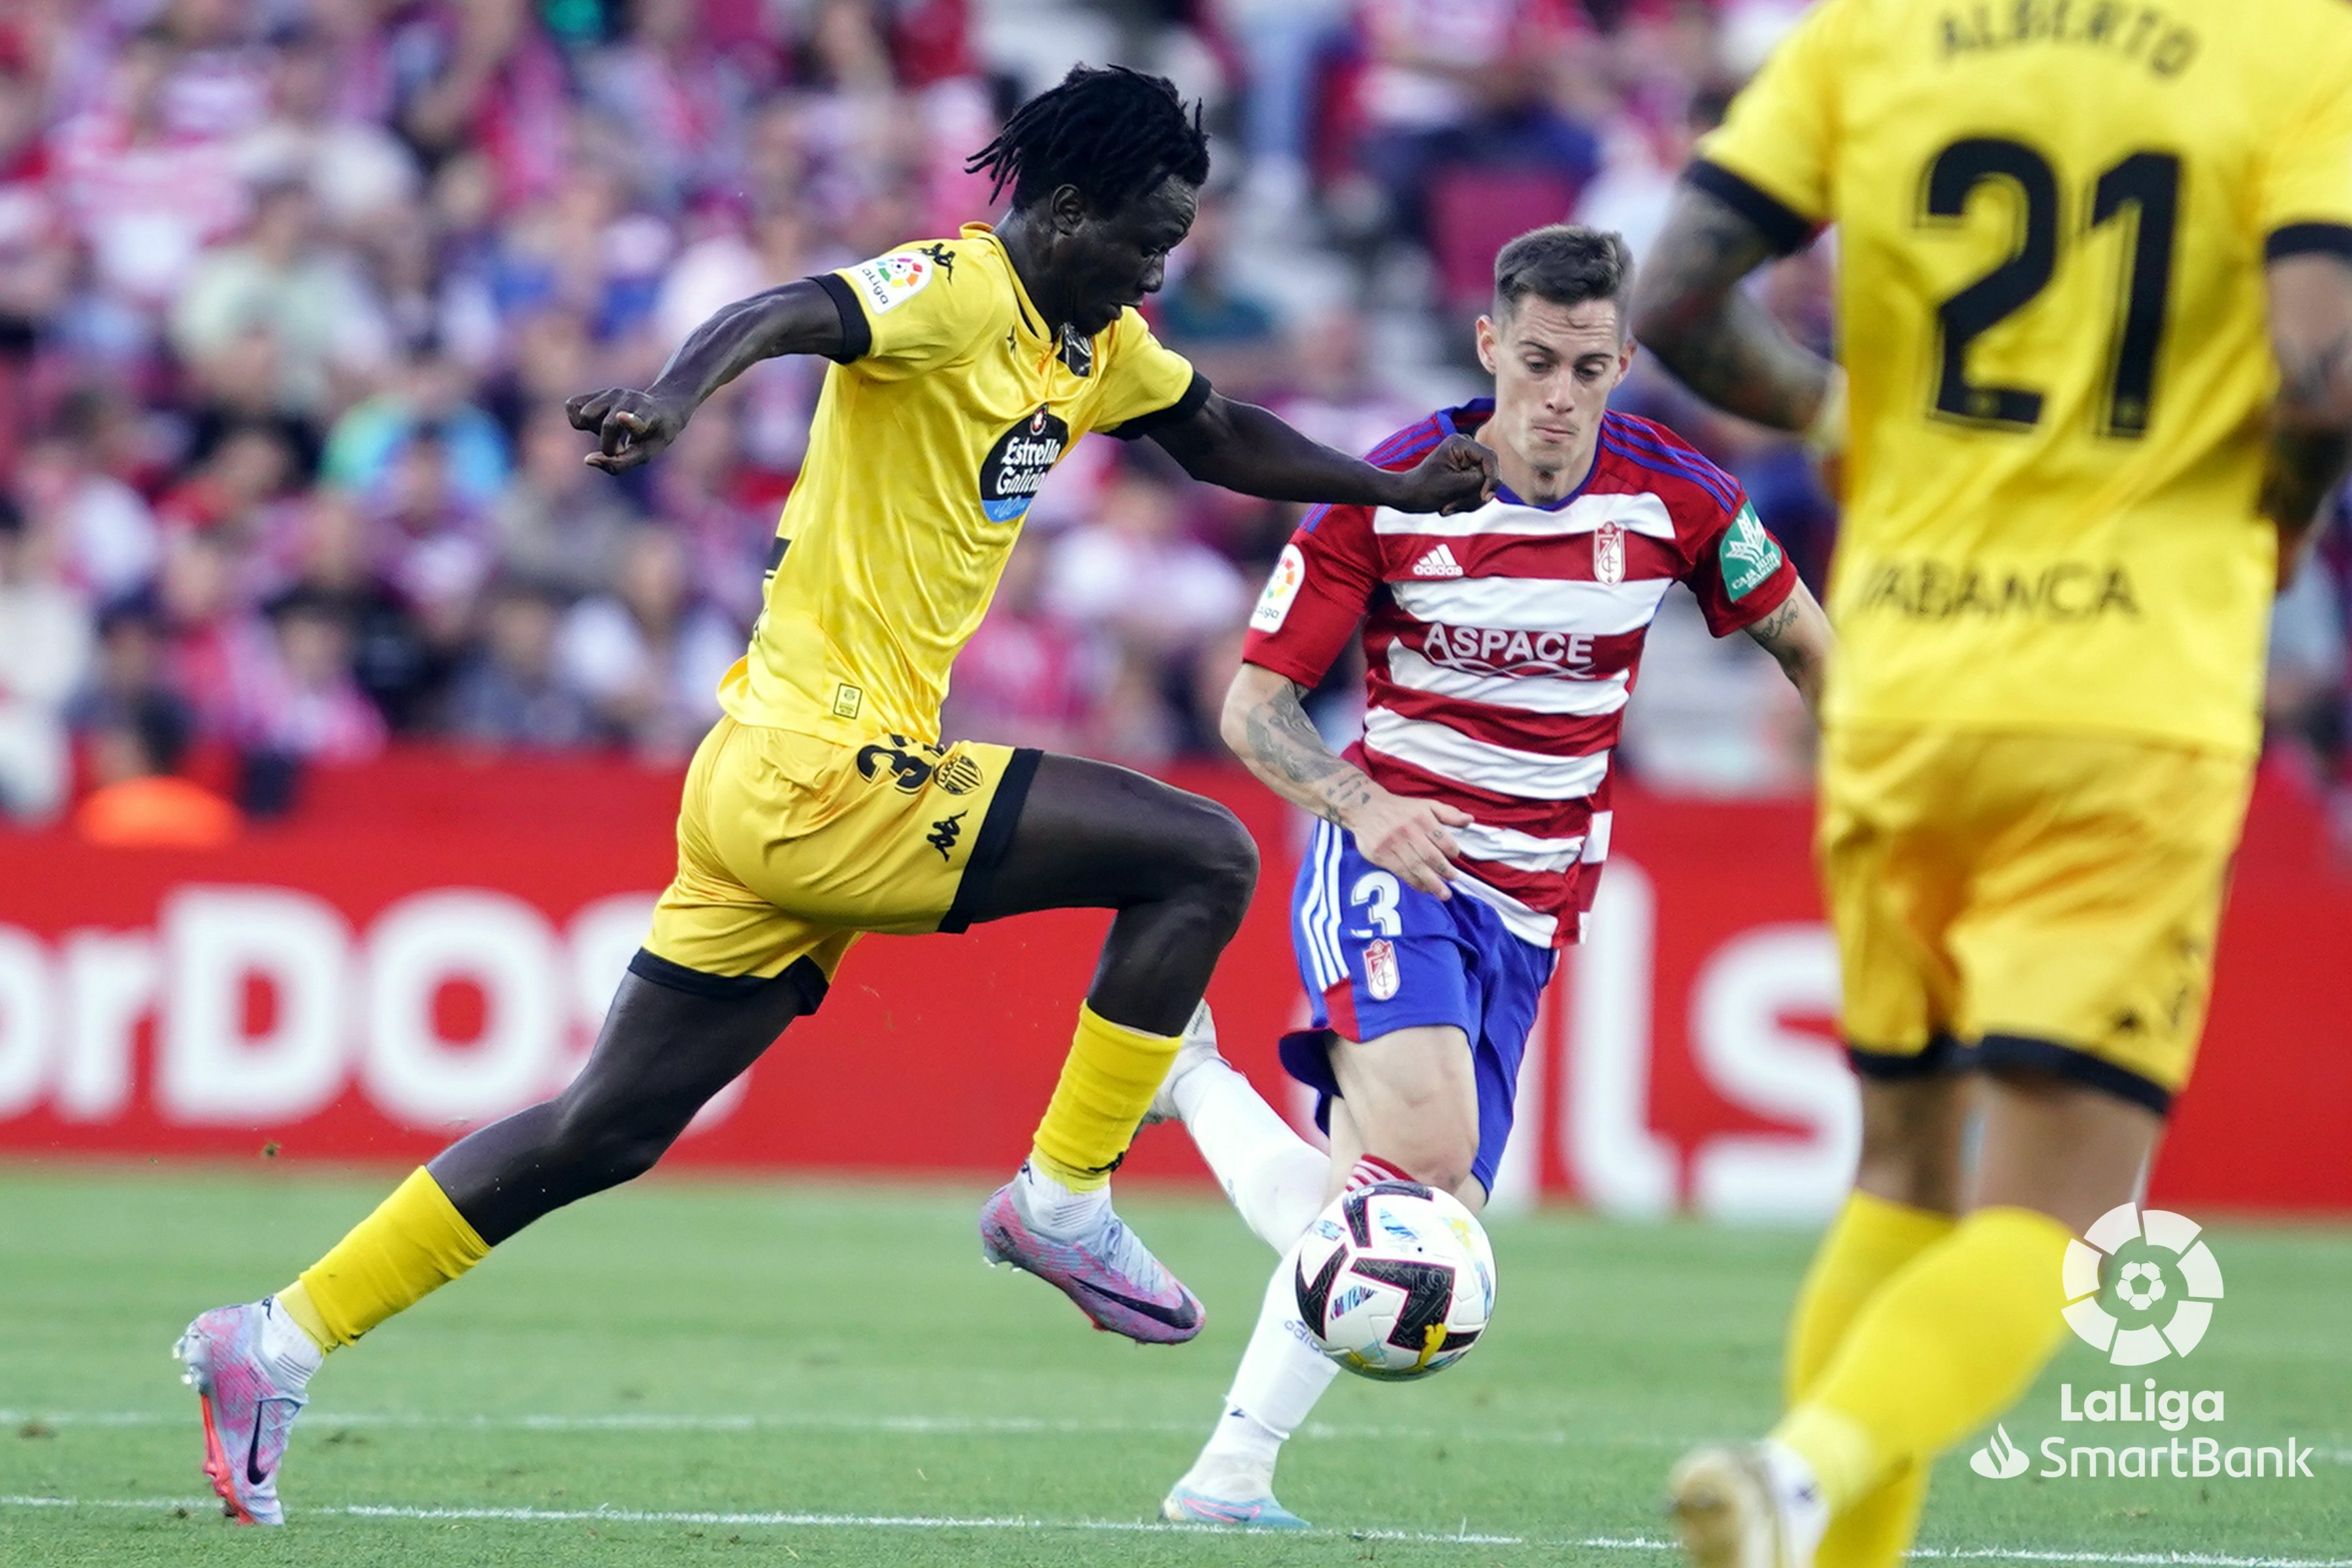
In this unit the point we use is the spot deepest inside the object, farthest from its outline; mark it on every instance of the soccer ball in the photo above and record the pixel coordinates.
(1395, 1281)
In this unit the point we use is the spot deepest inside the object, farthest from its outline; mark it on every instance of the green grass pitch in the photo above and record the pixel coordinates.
(700, 1373)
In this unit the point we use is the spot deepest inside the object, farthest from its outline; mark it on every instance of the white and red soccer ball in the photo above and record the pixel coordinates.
(1395, 1281)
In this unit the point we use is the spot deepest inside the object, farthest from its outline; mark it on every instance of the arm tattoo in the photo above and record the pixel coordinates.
(1284, 748)
(1769, 631)
(1690, 308)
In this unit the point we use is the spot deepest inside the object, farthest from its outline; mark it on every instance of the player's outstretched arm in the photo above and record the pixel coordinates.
(1270, 733)
(2311, 428)
(630, 426)
(1798, 635)
(1690, 311)
(1243, 447)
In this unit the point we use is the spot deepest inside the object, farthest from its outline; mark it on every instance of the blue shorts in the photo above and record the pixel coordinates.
(1377, 956)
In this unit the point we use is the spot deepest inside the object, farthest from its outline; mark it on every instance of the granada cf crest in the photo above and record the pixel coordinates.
(1608, 554)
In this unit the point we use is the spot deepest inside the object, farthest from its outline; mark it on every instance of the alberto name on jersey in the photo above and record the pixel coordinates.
(950, 404)
(2052, 221)
(1501, 644)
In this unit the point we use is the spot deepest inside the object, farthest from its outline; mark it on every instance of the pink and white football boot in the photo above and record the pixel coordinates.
(1110, 1274)
(249, 1399)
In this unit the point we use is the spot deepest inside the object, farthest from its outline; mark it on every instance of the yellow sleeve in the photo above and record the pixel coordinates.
(1145, 384)
(911, 309)
(1772, 158)
(2305, 198)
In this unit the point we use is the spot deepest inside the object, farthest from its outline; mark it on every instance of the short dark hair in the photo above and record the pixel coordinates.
(1565, 264)
(1113, 132)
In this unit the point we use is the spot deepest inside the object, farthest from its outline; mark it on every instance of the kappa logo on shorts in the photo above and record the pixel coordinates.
(944, 833)
(908, 771)
(960, 775)
(1380, 976)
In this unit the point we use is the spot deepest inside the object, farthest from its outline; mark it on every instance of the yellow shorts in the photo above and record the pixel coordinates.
(789, 848)
(2038, 900)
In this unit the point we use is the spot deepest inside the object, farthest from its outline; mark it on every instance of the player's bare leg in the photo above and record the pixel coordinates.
(663, 1053)
(1409, 1107)
(1179, 870)
(1952, 1337)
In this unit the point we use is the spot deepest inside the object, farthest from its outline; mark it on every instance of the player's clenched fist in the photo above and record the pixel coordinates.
(629, 426)
(1411, 838)
(1457, 475)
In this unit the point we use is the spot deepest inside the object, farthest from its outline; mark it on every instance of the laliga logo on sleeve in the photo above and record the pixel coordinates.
(2141, 1286)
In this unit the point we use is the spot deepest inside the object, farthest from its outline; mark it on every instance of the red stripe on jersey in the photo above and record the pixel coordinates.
(1546, 734)
(1586, 656)
(1539, 818)
(1540, 890)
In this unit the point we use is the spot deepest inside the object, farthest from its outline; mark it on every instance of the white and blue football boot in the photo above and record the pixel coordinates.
(1192, 1505)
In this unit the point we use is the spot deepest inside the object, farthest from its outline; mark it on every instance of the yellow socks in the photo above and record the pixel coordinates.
(1868, 1244)
(1107, 1082)
(414, 1244)
(1948, 1342)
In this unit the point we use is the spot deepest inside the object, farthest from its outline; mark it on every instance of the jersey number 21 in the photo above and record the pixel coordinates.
(2146, 184)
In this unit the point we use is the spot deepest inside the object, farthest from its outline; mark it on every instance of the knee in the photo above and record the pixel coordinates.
(1435, 1156)
(1224, 860)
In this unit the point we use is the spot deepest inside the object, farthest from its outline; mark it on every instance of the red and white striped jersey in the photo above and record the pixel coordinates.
(1501, 645)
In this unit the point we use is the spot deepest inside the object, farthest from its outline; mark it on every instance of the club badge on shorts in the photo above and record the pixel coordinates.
(1608, 554)
(1380, 968)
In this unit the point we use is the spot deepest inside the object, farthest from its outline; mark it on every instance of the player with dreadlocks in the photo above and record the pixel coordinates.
(825, 804)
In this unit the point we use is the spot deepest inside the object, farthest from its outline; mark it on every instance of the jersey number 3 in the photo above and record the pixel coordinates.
(2146, 184)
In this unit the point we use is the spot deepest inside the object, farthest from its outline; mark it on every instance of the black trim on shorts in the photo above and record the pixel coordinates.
(856, 331)
(2069, 1062)
(1196, 395)
(1941, 1055)
(995, 837)
(1783, 227)
(804, 977)
(2308, 239)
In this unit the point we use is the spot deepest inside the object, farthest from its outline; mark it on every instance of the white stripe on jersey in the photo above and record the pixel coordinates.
(1536, 604)
(1640, 513)
(1596, 838)
(1520, 851)
(1526, 693)
(1529, 925)
(1504, 770)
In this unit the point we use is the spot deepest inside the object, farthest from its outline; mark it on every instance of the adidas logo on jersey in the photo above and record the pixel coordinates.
(1438, 562)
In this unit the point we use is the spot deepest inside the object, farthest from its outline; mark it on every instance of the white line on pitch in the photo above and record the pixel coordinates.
(929, 1426)
(919, 1425)
(1133, 1526)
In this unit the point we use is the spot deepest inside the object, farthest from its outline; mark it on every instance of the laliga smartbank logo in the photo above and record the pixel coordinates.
(2160, 1330)
(2159, 1304)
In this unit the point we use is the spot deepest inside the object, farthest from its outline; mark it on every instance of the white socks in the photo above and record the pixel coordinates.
(291, 1355)
(1057, 1211)
(1275, 1177)
(1278, 1180)
(1281, 1376)
(1804, 1512)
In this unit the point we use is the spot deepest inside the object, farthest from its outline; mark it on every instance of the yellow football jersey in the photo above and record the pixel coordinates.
(2052, 218)
(952, 403)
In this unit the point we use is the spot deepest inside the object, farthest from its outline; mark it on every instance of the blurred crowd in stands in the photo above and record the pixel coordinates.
(292, 292)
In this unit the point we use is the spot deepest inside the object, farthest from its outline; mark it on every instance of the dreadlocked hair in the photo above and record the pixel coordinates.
(1112, 132)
